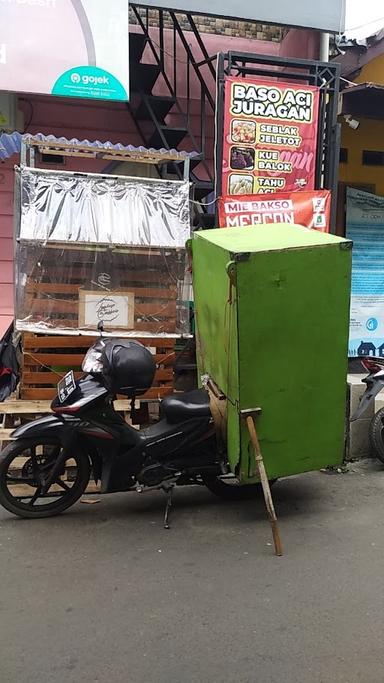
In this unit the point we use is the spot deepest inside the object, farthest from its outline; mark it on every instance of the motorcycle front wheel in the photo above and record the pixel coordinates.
(26, 464)
(228, 488)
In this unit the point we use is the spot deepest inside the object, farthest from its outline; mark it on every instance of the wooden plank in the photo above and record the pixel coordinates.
(5, 434)
(31, 341)
(79, 273)
(39, 407)
(20, 407)
(167, 326)
(41, 307)
(53, 377)
(156, 308)
(34, 341)
(45, 377)
(50, 359)
(52, 287)
(45, 393)
(84, 252)
(162, 375)
(64, 288)
(77, 149)
(164, 326)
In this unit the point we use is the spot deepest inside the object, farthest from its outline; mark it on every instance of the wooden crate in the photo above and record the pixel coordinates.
(47, 358)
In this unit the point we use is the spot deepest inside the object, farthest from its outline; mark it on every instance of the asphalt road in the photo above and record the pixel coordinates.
(104, 594)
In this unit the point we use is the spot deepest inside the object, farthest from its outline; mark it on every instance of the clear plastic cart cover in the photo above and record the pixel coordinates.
(78, 263)
(72, 207)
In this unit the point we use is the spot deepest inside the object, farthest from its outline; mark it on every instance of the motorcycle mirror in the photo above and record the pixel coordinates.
(100, 328)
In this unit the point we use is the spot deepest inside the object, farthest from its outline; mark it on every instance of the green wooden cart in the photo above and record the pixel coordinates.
(272, 312)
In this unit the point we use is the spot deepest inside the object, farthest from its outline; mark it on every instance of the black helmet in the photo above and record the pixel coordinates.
(128, 367)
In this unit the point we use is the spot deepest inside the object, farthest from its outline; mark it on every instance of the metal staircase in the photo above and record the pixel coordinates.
(172, 101)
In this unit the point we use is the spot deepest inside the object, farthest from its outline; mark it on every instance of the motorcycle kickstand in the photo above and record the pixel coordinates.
(168, 490)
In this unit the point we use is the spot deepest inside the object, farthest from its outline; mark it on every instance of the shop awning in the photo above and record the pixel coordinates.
(49, 144)
(366, 100)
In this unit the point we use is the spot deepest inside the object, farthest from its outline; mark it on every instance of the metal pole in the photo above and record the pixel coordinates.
(324, 47)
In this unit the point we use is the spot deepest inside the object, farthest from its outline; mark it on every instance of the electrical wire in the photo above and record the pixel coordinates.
(349, 82)
(31, 113)
(194, 201)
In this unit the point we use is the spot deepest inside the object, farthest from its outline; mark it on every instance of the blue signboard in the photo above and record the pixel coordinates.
(365, 227)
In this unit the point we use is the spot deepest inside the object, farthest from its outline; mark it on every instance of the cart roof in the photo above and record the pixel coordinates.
(269, 237)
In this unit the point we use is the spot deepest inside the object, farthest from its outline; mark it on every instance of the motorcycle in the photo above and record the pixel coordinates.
(48, 464)
(375, 383)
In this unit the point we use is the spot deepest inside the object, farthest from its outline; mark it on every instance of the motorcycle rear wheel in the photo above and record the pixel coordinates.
(26, 463)
(376, 434)
(227, 488)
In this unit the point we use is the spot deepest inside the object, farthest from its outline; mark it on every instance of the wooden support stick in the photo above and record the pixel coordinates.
(265, 484)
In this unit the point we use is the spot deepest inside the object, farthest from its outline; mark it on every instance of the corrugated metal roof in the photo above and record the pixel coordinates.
(11, 144)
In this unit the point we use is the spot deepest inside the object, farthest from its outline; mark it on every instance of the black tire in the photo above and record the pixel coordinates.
(227, 488)
(29, 475)
(376, 434)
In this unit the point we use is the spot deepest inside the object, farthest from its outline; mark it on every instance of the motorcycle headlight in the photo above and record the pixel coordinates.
(92, 361)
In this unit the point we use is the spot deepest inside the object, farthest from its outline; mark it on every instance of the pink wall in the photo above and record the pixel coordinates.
(90, 120)
(6, 245)
(300, 43)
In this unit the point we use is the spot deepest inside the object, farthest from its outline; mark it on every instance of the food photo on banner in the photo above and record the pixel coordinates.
(309, 209)
(365, 227)
(270, 137)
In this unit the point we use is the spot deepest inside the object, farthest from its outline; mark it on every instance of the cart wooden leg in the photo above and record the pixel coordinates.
(265, 484)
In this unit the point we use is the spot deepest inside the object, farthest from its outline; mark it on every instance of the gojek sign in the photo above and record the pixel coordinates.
(71, 48)
(89, 81)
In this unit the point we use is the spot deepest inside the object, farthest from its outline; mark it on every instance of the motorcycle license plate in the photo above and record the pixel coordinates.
(66, 386)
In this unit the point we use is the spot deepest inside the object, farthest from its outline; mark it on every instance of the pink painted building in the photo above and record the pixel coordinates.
(84, 119)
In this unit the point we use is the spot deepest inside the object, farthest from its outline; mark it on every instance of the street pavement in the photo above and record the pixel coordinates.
(103, 594)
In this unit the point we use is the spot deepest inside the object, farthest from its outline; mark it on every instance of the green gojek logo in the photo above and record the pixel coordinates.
(91, 82)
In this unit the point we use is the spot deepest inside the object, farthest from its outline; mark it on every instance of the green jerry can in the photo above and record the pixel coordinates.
(272, 319)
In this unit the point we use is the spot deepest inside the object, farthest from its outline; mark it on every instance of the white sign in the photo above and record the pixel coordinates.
(328, 15)
(72, 48)
(114, 309)
(365, 226)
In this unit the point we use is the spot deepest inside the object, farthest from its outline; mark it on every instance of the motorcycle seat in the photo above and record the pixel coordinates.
(187, 406)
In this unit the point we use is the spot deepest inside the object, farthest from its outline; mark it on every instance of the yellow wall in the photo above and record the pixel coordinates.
(373, 72)
(369, 135)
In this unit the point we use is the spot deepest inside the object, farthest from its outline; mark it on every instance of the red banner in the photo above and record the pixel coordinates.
(270, 137)
(310, 209)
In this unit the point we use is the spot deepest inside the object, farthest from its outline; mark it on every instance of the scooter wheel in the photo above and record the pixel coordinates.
(26, 464)
(376, 434)
(227, 488)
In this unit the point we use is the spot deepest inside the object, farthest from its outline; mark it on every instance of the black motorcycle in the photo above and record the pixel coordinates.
(50, 461)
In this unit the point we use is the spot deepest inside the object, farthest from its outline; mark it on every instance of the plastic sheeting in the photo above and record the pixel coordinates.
(92, 249)
(134, 292)
(72, 207)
